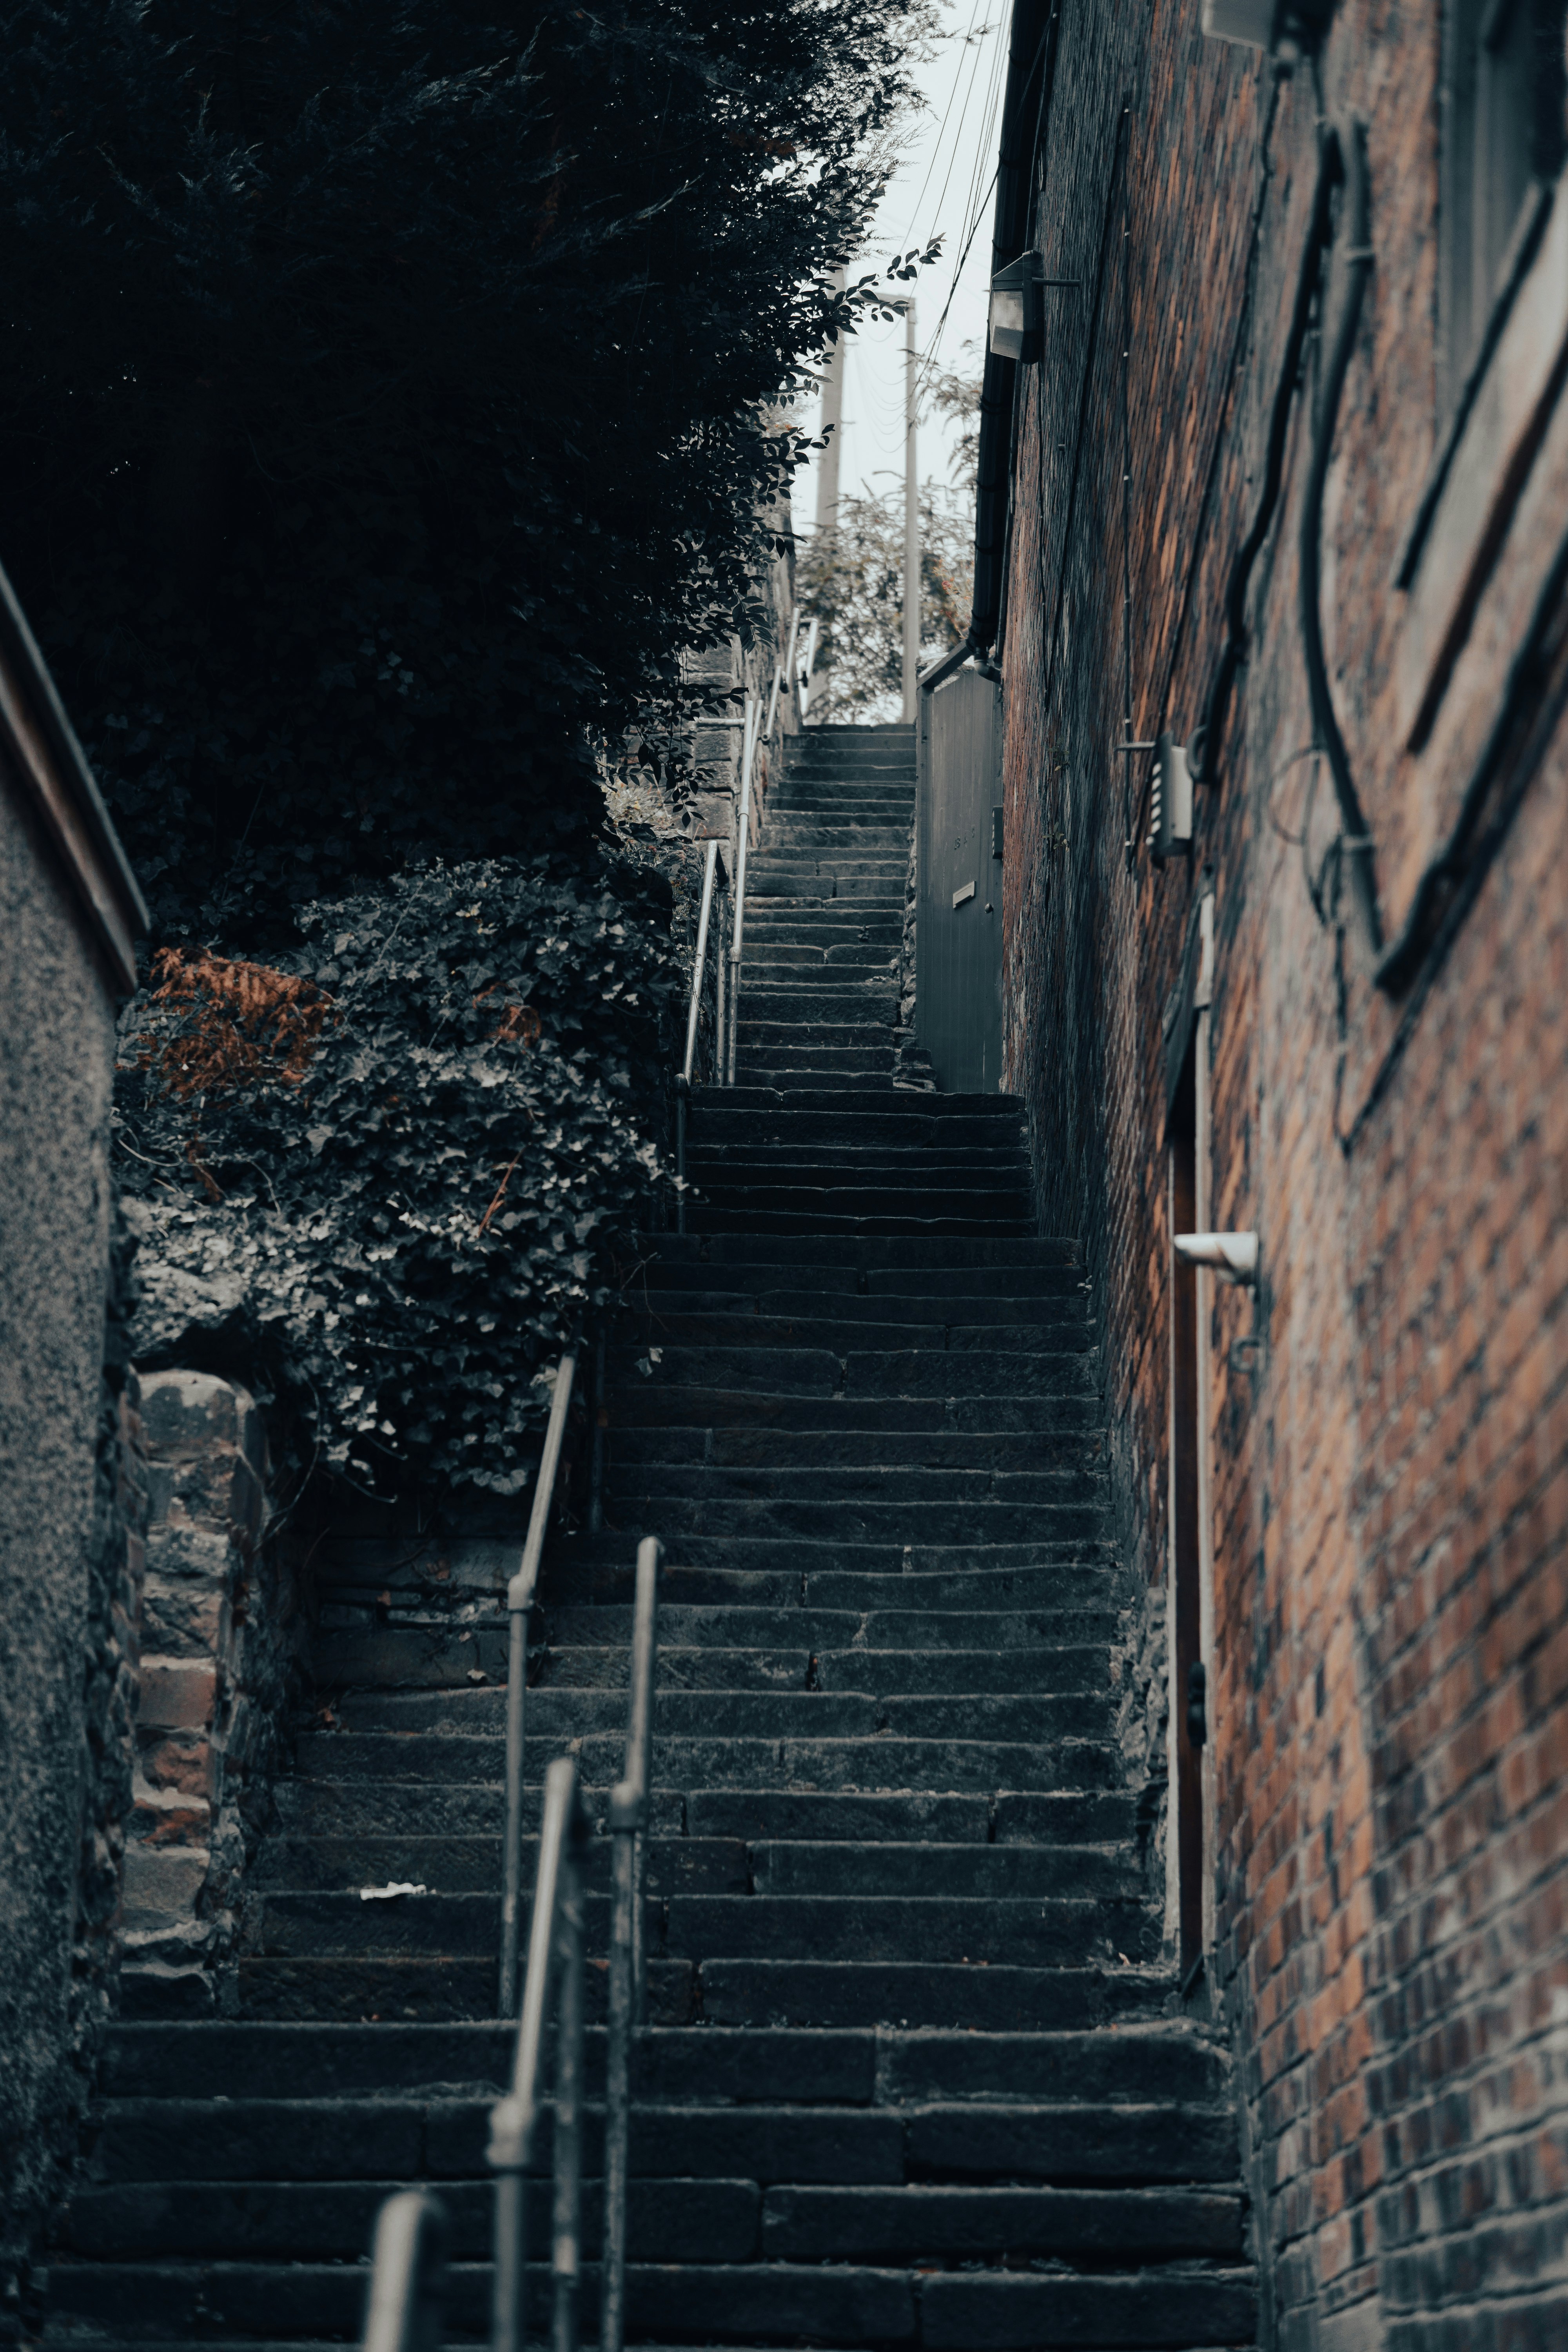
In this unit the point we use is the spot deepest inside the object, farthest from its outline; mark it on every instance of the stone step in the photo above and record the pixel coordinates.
(911, 1125)
(901, 1371)
(845, 1424)
(649, 1482)
(852, 1216)
(1000, 1107)
(1024, 1277)
(859, 2068)
(955, 1763)
(858, 1073)
(1048, 1300)
(757, 2302)
(774, 1572)
(669, 1325)
(764, 954)
(558, 1712)
(867, 1929)
(320, 1808)
(1095, 2137)
(858, 1520)
(469, 1864)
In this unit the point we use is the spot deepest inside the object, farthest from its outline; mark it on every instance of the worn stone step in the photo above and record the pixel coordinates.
(879, 1672)
(441, 2135)
(868, 1252)
(808, 1319)
(361, 1811)
(979, 1874)
(891, 2225)
(589, 1645)
(562, 1711)
(901, 1371)
(856, 1076)
(878, 889)
(240, 2059)
(777, 1572)
(943, 1485)
(446, 1986)
(861, 1213)
(909, 1126)
(888, 1762)
(469, 1865)
(746, 1993)
(753, 1416)
(996, 1283)
(884, 1162)
(675, 1517)
(741, 1447)
(667, 2221)
(764, 954)
(675, 2303)
(813, 924)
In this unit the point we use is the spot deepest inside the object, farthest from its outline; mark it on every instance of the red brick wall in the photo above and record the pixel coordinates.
(1390, 1486)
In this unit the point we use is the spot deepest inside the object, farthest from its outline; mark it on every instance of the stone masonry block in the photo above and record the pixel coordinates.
(177, 1694)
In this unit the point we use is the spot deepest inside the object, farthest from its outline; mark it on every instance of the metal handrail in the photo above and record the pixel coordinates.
(408, 2276)
(683, 1083)
(803, 688)
(628, 1958)
(748, 761)
(554, 1949)
(520, 1595)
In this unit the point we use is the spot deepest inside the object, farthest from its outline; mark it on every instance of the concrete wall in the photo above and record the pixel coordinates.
(1388, 1504)
(69, 1551)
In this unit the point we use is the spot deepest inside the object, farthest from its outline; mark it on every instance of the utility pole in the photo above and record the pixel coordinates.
(911, 523)
(832, 430)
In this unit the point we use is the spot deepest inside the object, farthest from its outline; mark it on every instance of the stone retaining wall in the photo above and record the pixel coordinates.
(220, 1622)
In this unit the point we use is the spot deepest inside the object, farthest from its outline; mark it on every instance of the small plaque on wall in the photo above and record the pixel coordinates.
(967, 891)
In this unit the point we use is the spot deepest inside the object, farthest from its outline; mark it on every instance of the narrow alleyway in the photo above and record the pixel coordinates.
(917, 2077)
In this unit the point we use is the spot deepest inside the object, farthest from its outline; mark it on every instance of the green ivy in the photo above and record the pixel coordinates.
(416, 1227)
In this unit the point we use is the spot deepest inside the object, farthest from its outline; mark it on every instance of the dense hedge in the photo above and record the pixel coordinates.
(406, 1157)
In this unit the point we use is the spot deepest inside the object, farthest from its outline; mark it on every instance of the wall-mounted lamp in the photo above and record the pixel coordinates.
(1233, 1256)
(1287, 27)
(1170, 802)
(1017, 327)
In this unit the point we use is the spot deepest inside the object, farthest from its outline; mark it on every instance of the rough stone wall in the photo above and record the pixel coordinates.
(70, 1505)
(220, 1635)
(1391, 1480)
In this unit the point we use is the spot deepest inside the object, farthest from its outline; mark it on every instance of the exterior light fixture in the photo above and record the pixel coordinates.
(1170, 802)
(1017, 325)
(1233, 1256)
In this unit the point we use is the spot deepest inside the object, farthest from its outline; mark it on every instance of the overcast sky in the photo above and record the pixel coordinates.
(940, 189)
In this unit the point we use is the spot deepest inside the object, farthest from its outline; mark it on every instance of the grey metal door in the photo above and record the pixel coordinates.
(958, 941)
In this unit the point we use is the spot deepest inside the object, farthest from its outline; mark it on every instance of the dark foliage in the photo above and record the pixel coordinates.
(386, 395)
(408, 1157)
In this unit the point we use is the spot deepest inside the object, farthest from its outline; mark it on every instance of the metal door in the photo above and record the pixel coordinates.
(958, 941)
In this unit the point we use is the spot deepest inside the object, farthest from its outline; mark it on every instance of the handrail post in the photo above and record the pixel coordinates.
(408, 2272)
(802, 683)
(628, 1966)
(748, 761)
(520, 1594)
(512, 2118)
(566, 2262)
(684, 1078)
(597, 1439)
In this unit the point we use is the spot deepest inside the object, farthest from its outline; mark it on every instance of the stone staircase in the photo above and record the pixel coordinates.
(918, 2074)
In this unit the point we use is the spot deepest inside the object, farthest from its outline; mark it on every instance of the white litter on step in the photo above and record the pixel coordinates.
(385, 1894)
